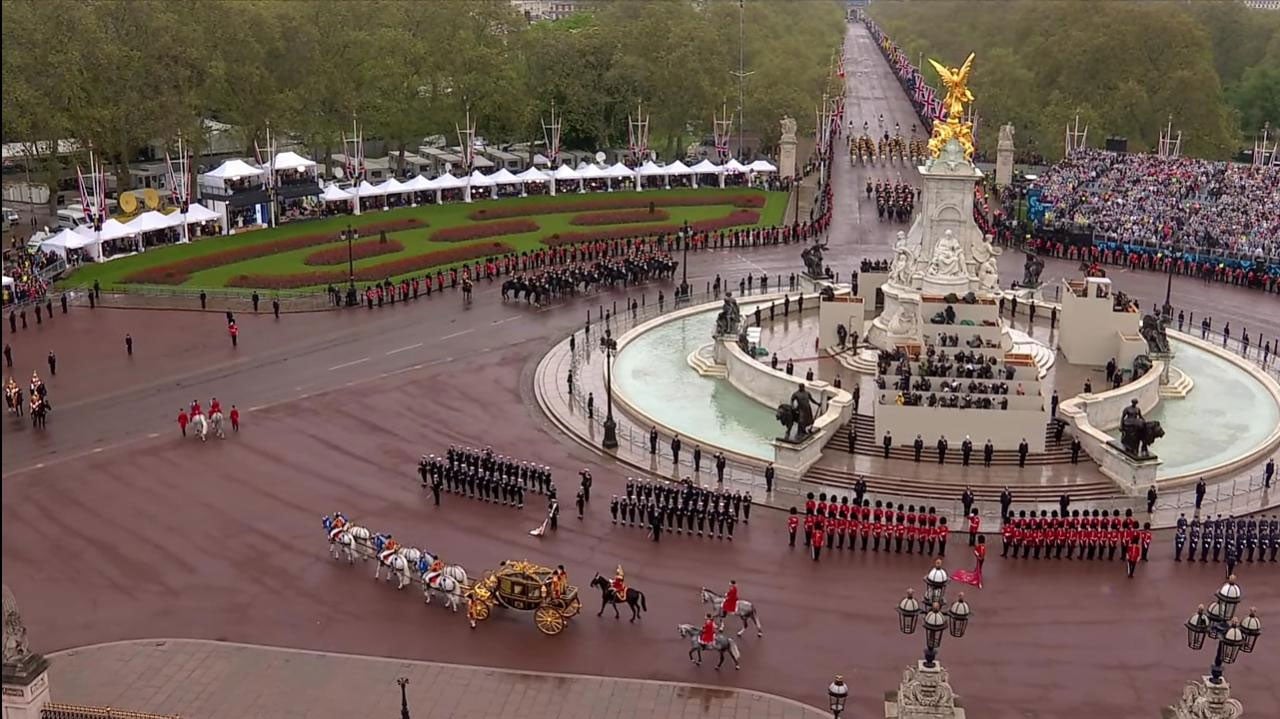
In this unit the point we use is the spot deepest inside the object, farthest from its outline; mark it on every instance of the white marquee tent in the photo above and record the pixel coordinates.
(651, 169)
(504, 177)
(707, 167)
(533, 174)
(333, 193)
(479, 179)
(291, 161)
(734, 167)
(564, 172)
(233, 170)
(762, 166)
(678, 168)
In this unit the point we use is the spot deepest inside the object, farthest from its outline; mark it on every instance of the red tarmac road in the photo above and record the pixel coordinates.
(111, 533)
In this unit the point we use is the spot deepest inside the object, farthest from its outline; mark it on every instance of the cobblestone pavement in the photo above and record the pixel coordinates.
(211, 680)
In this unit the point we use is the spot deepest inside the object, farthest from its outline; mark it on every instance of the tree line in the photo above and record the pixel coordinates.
(1123, 67)
(124, 75)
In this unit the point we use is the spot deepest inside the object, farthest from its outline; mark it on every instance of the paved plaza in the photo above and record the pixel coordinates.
(218, 680)
(114, 528)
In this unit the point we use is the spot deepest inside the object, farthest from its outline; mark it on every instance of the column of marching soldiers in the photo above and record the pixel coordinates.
(1231, 538)
(483, 475)
(683, 508)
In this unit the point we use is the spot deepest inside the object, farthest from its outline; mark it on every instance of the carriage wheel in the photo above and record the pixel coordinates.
(573, 608)
(549, 620)
(479, 611)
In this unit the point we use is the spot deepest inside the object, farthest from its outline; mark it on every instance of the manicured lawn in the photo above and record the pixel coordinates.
(415, 241)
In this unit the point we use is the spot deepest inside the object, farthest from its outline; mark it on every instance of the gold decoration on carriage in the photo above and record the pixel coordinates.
(523, 586)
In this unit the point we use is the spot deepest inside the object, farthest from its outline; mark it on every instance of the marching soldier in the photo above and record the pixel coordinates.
(1180, 538)
(1219, 536)
(793, 523)
(613, 508)
(1145, 537)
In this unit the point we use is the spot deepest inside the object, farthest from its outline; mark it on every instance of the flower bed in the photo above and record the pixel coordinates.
(373, 273)
(733, 219)
(615, 203)
(179, 271)
(361, 250)
(488, 229)
(619, 217)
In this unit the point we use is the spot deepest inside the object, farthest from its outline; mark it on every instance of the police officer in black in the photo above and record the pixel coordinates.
(887, 443)
(1023, 449)
(1075, 450)
(988, 451)
(918, 447)
(653, 440)
(966, 449)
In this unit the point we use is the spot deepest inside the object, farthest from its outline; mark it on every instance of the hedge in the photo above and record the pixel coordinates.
(179, 271)
(733, 219)
(373, 273)
(619, 217)
(637, 200)
(361, 250)
(463, 233)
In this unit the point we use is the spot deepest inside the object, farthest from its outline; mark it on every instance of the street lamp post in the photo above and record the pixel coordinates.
(938, 617)
(1211, 697)
(404, 697)
(837, 693)
(351, 267)
(610, 347)
(684, 263)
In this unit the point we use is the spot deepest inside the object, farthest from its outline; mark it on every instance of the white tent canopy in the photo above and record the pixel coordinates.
(504, 177)
(197, 214)
(678, 168)
(479, 179)
(233, 170)
(417, 183)
(65, 240)
(152, 221)
(332, 193)
(448, 181)
(368, 190)
(533, 174)
(291, 161)
(620, 170)
(564, 172)
(651, 169)
(707, 167)
(591, 172)
(392, 187)
(734, 167)
(762, 166)
(112, 229)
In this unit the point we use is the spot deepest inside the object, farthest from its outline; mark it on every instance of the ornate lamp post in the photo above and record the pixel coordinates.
(924, 691)
(1210, 698)
(837, 693)
(404, 697)
(684, 263)
(610, 347)
(351, 267)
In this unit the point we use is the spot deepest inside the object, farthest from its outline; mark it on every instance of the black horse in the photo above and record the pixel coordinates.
(635, 599)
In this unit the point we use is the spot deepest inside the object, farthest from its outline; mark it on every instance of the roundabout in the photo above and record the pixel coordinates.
(164, 537)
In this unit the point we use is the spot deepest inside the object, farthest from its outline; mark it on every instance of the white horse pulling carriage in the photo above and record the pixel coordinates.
(404, 563)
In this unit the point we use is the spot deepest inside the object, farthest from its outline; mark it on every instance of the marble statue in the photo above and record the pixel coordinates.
(904, 260)
(948, 257)
(788, 126)
(903, 323)
(16, 650)
(1137, 433)
(987, 256)
(1006, 135)
(729, 318)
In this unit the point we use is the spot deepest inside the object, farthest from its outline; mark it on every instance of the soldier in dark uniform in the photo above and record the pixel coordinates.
(653, 440)
(1273, 532)
(966, 450)
(1251, 540)
(1219, 537)
(988, 451)
(1180, 538)
(918, 447)
(887, 443)
(1023, 449)
(613, 508)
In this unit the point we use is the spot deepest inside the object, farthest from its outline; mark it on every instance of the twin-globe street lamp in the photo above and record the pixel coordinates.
(1220, 622)
(937, 620)
(610, 347)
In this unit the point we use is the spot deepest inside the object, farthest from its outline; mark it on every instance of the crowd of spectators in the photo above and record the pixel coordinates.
(23, 266)
(1187, 204)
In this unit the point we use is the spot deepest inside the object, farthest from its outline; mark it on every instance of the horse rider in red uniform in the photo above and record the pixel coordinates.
(619, 584)
(708, 635)
(195, 408)
(730, 604)
(214, 406)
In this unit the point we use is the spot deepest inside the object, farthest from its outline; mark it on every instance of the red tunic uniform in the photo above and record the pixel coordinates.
(731, 599)
(708, 635)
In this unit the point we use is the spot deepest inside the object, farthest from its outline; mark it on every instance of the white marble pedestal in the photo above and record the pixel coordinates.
(932, 285)
(1205, 700)
(26, 688)
(923, 694)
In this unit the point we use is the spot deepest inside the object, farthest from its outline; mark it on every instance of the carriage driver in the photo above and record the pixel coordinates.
(619, 584)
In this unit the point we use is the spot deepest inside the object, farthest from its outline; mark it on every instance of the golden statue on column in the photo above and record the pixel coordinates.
(953, 125)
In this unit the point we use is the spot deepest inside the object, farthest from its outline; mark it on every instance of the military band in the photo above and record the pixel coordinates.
(482, 474)
(843, 523)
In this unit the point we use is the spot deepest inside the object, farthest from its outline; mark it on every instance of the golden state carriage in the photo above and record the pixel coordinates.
(525, 587)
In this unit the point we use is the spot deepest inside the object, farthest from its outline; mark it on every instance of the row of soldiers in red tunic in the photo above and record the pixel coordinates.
(1083, 535)
(918, 530)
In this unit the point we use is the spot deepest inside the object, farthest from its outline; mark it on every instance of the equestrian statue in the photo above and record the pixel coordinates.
(1137, 433)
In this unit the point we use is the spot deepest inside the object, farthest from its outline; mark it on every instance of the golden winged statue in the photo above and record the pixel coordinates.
(953, 124)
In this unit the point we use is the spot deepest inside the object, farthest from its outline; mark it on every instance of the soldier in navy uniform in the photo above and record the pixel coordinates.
(1273, 532)
(1206, 539)
(1180, 538)
(1219, 537)
(1251, 540)
(988, 451)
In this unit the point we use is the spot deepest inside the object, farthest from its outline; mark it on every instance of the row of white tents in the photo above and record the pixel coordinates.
(564, 173)
(85, 236)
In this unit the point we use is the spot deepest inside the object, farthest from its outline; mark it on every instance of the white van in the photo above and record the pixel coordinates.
(69, 219)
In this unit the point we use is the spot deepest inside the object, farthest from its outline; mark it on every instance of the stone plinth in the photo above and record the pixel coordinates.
(932, 285)
(1205, 700)
(923, 694)
(1132, 475)
(845, 311)
(792, 459)
(787, 158)
(26, 687)
(1004, 156)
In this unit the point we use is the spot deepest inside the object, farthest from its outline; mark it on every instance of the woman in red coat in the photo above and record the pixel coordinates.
(980, 556)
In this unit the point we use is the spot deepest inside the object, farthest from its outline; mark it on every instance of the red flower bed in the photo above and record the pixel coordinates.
(359, 251)
(372, 273)
(733, 219)
(488, 229)
(620, 217)
(179, 271)
(615, 203)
